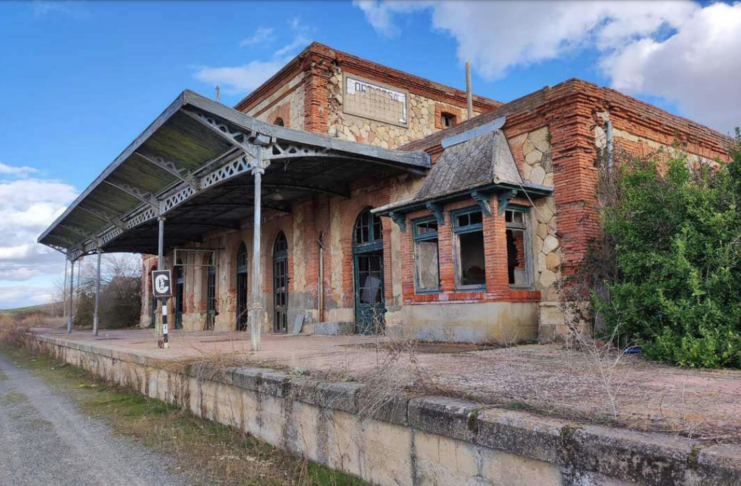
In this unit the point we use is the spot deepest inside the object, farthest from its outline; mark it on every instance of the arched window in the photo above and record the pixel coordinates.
(242, 259)
(368, 229)
(279, 121)
(281, 245)
(242, 287)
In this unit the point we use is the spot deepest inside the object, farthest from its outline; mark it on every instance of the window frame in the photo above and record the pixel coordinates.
(459, 230)
(416, 237)
(445, 115)
(525, 227)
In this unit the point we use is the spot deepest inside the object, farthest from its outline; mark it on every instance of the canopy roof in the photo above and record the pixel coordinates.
(193, 165)
(473, 164)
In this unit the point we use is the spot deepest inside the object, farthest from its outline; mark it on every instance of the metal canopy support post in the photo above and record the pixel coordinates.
(159, 328)
(64, 288)
(71, 296)
(97, 297)
(256, 310)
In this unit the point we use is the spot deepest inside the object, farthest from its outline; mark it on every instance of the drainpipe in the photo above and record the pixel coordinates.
(320, 282)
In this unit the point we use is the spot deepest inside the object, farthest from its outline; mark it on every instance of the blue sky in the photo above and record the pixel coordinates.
(80, 81)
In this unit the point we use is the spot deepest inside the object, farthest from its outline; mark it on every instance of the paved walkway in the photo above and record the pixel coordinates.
(550, 378)
(44, 440)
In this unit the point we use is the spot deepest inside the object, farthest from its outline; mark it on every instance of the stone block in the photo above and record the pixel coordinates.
(718, 464)
(504, 468)
(550, 243)
(304, 424)
(445, 416)
(442, 460)
(272, 420)
(246, 378)
(539, 139)
(391, 409)
(520, 433)
(344, 442)
(644, 458)
(386, 453)
(274, 383)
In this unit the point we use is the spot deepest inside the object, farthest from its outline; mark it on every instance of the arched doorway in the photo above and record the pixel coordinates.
(179, 293)
(211, 295)
(280, 284)
(370, 306)
(242, 288)
(153, 303)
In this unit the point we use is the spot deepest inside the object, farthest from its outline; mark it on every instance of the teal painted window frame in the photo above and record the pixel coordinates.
(459, 230)
(525, 227)
(417, 237)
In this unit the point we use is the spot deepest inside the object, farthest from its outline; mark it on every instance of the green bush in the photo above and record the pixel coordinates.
(677, 246)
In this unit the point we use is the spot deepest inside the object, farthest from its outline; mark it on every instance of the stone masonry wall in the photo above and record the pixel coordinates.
(423, 119)
(414, 441)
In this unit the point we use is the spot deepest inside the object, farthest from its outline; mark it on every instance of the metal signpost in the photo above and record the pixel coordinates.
(162, 290)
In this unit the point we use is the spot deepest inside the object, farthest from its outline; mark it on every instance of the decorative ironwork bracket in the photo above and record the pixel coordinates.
(504, 200)
(236, 138)
(437, 211)
(171, 168)
(145, 197)
(400, 219)
(82, 233)
(483, 202)
(112, 220)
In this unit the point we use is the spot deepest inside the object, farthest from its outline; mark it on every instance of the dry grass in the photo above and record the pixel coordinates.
(209, 452)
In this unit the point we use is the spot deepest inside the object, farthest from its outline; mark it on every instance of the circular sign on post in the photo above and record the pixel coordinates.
(162, 284)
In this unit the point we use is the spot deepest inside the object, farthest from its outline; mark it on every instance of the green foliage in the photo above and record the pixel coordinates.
(677, 247)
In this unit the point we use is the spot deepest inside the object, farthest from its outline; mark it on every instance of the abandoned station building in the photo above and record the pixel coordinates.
(383, 207)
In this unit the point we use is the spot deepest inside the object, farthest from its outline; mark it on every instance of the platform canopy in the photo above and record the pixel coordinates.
(193, 166)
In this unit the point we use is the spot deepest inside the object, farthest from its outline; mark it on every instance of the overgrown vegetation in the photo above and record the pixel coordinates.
(211, 453)
(120, 292)
(671, 260)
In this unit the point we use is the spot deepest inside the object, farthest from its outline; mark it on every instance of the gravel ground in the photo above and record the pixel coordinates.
(45, 440)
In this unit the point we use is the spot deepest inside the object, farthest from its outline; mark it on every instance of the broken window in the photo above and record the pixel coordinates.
(518, 239)
(468, 226)
(426, 256)
(447, 120)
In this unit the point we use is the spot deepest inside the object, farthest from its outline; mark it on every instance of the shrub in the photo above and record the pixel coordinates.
(677, 249)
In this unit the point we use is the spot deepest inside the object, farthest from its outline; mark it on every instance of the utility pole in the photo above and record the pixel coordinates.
(469, 93)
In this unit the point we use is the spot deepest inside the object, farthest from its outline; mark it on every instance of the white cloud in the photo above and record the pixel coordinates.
(21, 296)
(246, 77)
(698, 68)
(68, 8)
(261, 35)
(678, 50)
(28, 205)
(9, 170)
(239, 79)
(380, 14)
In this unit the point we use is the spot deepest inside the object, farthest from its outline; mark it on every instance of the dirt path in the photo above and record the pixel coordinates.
(44, 439)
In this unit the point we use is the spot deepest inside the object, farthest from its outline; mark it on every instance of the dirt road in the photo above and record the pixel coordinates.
(45, 440)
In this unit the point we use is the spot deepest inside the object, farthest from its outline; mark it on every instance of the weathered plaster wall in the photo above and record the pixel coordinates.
(286, 102)
(412, 441)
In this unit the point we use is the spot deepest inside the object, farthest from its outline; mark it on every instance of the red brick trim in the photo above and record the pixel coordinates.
(449, 110)
(283, 112)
